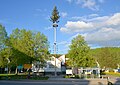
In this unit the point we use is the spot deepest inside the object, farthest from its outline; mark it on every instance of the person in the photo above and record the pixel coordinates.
(29, 70)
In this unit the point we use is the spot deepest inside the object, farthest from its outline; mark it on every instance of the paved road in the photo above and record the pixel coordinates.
(59, 82)
(42, 83)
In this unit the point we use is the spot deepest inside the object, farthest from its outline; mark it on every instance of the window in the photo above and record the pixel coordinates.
(51, 65)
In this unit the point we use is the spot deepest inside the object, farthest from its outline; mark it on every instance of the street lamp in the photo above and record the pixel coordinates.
(54, 19)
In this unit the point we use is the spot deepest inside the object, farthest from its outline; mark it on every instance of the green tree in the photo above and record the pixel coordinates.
(19, 44)
(3, 37)
(55, 15)
(41, 46)
(79, 53)
(107, 57)
(28, 46)
(3, 46)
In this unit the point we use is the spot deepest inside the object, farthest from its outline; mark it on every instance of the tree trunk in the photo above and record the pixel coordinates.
(9, 70)
(16, 71)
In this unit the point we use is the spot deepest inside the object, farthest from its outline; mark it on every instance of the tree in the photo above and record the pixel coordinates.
(41, 45)
(3, 51)
(55, 15)
(3, 37)
(79, 53)
(107, 57)
(27, 47)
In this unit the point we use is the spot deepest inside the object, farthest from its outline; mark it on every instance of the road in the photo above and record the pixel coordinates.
(42, 83)
(59, 82)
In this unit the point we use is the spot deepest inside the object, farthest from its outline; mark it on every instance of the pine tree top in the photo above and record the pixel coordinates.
(55, 15)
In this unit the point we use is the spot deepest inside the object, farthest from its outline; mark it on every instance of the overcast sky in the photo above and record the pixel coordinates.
(97, 20)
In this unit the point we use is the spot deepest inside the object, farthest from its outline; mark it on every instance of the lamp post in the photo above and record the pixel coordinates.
(54, 19)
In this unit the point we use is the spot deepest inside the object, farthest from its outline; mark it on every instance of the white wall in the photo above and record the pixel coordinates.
(48, 68)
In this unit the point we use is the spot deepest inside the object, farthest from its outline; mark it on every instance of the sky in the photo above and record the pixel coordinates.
(97, 20)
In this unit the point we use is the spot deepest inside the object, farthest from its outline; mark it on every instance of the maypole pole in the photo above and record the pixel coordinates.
(54, 19)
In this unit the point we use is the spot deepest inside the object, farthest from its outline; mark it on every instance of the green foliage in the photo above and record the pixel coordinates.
(108, 57)
(4, 55)
(55, 15)
(28, 46)
(21, 43)
(41, 46)
(3, 50)
(79, 53)
(3, 37)
(22, 47)
(56, 55)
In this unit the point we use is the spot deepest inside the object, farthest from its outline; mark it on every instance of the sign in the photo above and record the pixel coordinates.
(20, 67)
(69, 71)
(6, 69)
(27, 66)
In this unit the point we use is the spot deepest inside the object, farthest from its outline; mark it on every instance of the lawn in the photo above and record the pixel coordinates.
(113, 74)
(21, 76)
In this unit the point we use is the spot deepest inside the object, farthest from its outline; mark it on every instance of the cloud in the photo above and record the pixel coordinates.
(90, 4)
(39, 12)
(114, 20)
(69, 1)
(65, 43)
(85, 17)
(63, 14)
(93, 15)
(48, 28)
(78, 26)
(104, 37)
(104, 34)
(104, 31)
(89, 24)
(74, 36)
(62, 43)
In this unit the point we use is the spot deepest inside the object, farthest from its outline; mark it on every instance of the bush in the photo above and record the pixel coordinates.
(17, 77)
(72, 76)
(77, 76)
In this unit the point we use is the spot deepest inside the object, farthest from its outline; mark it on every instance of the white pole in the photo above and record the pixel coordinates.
(55, 27)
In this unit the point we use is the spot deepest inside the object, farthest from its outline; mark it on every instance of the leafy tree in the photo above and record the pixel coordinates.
(79, 53)
(4, 55)
(3, 50)
(41, 46)
(3, 37)
(20, 47)
(28, 46)
(107, 57)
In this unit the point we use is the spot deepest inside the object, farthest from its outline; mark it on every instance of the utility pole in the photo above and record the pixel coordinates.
(54, 19)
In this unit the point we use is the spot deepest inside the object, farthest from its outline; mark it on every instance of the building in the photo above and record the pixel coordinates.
(50, 66)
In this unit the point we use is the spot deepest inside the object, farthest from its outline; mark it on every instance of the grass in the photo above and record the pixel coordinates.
(12, 77)
(6, 74)
(113, 74)
(20, 76)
